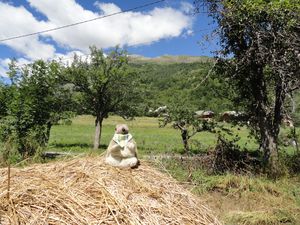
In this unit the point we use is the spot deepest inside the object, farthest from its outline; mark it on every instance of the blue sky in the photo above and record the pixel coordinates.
(166, 28)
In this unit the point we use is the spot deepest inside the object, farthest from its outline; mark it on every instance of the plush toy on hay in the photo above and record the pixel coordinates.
(122, 150)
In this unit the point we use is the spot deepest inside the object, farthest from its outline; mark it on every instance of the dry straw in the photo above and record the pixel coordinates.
(85, 191)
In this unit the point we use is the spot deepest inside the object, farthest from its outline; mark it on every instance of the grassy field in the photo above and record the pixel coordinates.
(149, 137)
(237, 199)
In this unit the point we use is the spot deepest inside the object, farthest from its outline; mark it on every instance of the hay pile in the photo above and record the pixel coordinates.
(85, 191)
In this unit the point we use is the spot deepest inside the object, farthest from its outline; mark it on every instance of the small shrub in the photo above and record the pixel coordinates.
(9, 153)
(291, 162)
(227, 156)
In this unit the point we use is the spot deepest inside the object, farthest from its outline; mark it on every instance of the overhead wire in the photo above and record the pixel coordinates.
(86, 21)
(87, 55)
(81, 22)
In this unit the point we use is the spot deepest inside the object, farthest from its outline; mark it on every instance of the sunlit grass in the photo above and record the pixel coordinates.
(150, 138)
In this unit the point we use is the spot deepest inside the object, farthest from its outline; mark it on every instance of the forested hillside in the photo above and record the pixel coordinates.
(165, 80)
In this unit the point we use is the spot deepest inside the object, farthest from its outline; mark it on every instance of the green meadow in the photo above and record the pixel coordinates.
(151, 139)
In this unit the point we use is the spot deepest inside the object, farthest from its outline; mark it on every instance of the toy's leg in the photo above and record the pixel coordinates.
(112, 161)
(129, 162)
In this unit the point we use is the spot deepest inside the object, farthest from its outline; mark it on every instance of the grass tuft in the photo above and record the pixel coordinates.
(260, 218)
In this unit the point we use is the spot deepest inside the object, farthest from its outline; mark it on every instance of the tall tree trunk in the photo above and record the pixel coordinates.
(269, 125)
(47, 137)
(98, 124)
(269, 145)
(184, 136)
(270, 131)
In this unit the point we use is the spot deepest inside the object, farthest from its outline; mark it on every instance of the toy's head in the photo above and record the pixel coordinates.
(121, 129)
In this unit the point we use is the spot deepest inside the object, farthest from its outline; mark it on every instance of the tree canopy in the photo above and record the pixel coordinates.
(31, 105)
(260, 43)
(106, 84)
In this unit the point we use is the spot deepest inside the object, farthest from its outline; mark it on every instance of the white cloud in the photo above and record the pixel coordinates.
(157, 24)
(107, 8)
(19, 21)
(4, 65)
(130, 28)
(68, 58)
(126, 29)
(187, 7)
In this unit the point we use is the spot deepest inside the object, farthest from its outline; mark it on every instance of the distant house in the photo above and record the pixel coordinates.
(158, 112)
(205, 115)
(228, 116)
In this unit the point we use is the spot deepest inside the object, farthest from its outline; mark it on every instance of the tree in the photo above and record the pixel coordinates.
(107, 86)
(35, 99)
(212, 93)
(3, 97)
(260, 43)
(183, 117)
(6, 91)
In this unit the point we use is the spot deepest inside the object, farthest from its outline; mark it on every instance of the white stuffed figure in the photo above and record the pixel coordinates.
(122, 150)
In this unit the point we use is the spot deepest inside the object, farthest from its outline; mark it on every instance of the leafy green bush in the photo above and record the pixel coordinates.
(35, 100)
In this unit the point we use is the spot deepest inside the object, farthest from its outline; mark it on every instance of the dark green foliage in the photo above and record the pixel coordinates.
(213, 94)
(184, 88)
(292, 162)
(182, 117)
(3, 99)
(34, 102)
(163, 84)
(228, 157)
(262, 40)
(294, 108)
(104, 85)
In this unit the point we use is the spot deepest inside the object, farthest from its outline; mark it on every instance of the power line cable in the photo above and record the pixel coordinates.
(62, 58)
(81, 22)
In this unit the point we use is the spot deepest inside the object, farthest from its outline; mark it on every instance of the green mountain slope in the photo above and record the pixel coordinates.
(173, 79)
